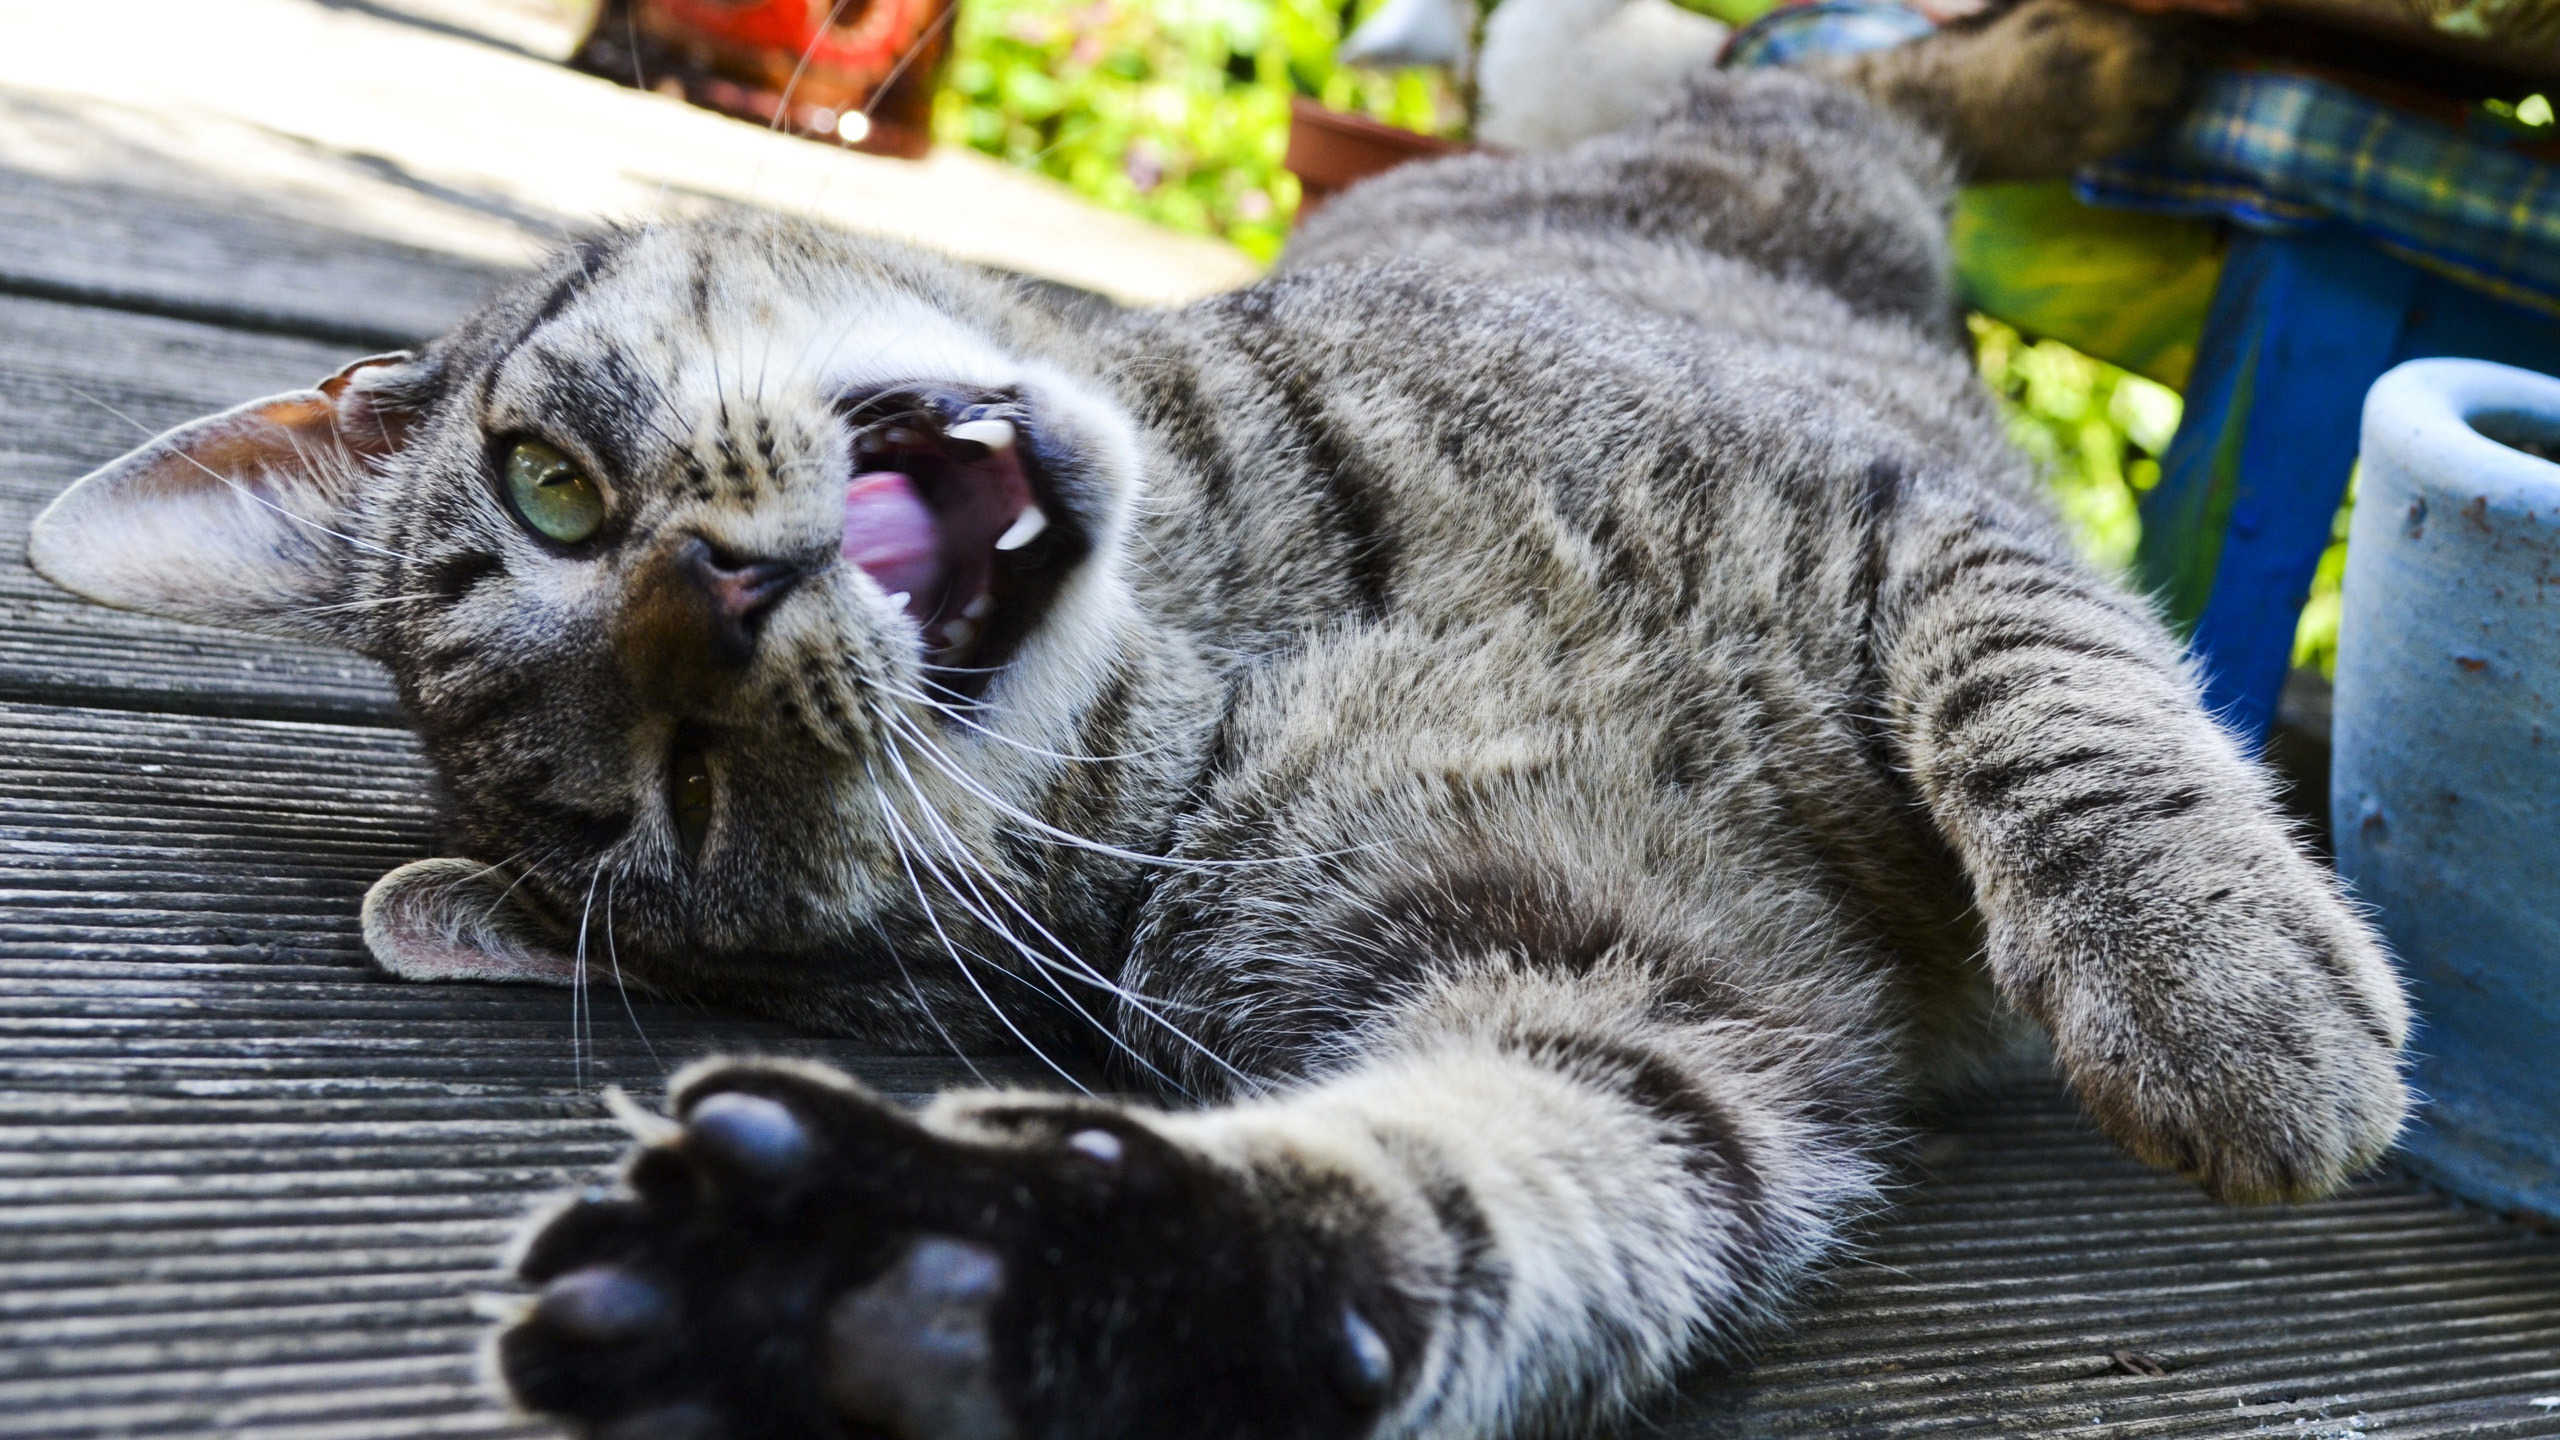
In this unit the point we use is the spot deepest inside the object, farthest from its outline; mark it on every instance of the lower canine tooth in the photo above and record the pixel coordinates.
(994, 434)
(1026, 528)
(977, 609)
(959, 634)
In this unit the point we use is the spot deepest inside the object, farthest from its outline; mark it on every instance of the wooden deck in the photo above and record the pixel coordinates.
(249, 1188)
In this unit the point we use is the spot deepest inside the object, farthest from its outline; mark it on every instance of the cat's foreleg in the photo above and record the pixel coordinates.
(1526, 1206)
(2209, 992)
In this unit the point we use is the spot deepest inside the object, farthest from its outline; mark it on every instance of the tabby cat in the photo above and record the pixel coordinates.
(1535, 730)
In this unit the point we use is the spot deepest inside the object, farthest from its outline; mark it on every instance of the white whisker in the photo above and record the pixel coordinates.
(951, 770)
(614, 958)
(579, 1024)
(1075, 966)
(889, 813)
(358, 604)
(927, 702)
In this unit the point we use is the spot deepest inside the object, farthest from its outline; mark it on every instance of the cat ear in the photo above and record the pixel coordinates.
(456, 920)
(243, 518)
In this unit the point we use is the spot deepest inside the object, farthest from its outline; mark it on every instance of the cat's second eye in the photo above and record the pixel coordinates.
(552, 494)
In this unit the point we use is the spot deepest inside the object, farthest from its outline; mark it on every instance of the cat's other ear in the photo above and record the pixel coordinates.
(459, 920)
(245, 518)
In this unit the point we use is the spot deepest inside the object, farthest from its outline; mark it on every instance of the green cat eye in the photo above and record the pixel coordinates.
(553, 495)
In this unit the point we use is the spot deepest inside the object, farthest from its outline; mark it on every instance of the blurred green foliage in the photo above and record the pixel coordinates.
(2099, 432)
(1175, 110)
(2315, 639)
(2096, 430)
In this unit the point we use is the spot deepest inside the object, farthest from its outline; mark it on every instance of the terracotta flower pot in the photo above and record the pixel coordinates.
(1331, 150)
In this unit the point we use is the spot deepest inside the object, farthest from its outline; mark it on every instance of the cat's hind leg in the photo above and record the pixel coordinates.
(2209, 992)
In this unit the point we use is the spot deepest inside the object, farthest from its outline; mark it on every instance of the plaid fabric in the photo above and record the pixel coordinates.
(2283, 152)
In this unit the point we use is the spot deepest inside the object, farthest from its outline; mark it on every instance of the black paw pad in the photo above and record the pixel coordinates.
(602, 1306)
(749, 1132)
(597, 1230)
(911, 1353)
(684, 1421)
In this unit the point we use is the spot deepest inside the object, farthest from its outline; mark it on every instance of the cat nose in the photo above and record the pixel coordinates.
(740, 592)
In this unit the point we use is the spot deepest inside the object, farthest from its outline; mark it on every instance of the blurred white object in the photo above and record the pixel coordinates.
(1412, 32)
(1553, 72)
(1557, 72)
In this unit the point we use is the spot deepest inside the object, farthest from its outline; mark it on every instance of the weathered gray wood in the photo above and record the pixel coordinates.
(79, 386)
(247, 1184)
(2027, 1251)
(369, 123)
(134, 227)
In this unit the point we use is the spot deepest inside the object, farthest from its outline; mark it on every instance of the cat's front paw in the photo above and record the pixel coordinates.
(799, 1258)
(2232, 1021)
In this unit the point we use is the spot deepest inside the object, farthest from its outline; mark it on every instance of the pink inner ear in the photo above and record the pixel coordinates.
(450, 920)
(419, 958)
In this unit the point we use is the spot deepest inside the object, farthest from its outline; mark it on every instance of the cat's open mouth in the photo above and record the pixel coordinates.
(949, 513)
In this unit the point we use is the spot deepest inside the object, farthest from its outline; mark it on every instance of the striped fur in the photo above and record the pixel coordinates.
(1559, 710)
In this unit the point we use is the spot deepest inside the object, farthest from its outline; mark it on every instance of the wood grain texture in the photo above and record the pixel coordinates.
(165, 251)
(248, 1185)
(387, 123)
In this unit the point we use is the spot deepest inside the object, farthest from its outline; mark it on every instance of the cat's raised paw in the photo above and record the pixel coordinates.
(800, 1258)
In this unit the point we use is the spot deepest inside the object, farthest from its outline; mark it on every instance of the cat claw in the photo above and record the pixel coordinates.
(994, 434)
(1098, 1145)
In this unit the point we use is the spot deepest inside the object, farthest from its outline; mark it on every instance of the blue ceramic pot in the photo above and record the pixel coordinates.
(2446, 787)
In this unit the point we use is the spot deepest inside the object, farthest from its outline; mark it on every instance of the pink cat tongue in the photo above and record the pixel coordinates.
(890, 535)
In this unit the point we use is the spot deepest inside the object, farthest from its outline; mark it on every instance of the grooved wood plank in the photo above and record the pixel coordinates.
(2027, 1252)
(248, 1186)
(98, 204)
(440, 135)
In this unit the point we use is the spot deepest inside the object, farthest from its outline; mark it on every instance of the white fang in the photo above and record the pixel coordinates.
(1025, 528)
(994, 434)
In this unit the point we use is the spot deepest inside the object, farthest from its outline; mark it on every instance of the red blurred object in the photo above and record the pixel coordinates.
(800, 65)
